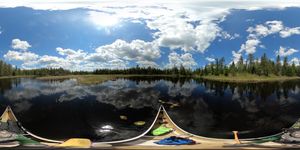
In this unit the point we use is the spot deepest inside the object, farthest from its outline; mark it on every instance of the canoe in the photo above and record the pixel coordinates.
(143, 141)
(148, 142)
(8, 115)
(182, 131)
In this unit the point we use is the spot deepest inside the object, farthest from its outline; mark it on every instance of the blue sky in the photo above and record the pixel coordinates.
(82, 36)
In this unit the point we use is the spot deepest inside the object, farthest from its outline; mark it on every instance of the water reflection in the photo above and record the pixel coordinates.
(64, 109)
(255, 109)
(206, 108)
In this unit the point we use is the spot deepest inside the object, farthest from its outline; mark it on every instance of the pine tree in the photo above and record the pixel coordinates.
(293, 69)
(222, 65)
(264, 63)
(232, 69)
(240, 63)
(182, 70)
(250, 67)
(278, 66)
(1, 68)
(285, 66)
(217, 67)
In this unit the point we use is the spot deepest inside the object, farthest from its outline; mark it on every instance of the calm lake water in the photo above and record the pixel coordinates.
(64, 109)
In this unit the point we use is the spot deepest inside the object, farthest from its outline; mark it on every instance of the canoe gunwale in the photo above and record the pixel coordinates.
(8, 109)
(214, 139)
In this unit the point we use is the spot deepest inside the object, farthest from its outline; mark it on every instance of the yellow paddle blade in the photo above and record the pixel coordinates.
(76, 142)
(8, 115)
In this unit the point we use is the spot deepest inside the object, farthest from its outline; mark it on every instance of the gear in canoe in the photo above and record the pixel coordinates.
(161, 130)
(292, 135)
(74, 143)
(6, 136)
(9, 123)
(174, 140)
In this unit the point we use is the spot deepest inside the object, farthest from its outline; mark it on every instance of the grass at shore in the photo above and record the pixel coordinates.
(249, 78)
(94, 79)
(82, 79)
(11, 77)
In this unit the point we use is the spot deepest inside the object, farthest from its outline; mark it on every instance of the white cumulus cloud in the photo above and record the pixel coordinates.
(175, 32)
(176, 60)
(295, 60)
(250, 46)
(263, 30)
(20, 45)
(143, 52)
(283, 52)
(114, 55)
(236, 56)
(20, 56)
(71, 54)
(289, 32)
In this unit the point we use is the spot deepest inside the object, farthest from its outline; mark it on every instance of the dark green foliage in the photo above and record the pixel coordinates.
(232, 69)
(9, 70)
(278, 66)
(262, 67)
(147, 71)
(46, 72)
(251, 64)
(240, 65)
(6, 69)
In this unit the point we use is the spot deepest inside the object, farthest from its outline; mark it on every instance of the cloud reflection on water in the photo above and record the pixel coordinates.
(137, 94)
(204, 106)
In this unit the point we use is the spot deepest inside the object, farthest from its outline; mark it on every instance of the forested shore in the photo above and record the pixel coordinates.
(262, 66)
(251, 68)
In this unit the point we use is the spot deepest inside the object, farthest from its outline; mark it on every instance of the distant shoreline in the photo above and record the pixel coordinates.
(248, 78)
(95, 79)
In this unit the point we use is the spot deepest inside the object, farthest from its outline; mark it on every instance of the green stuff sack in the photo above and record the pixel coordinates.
(161, 130)
(26, 141)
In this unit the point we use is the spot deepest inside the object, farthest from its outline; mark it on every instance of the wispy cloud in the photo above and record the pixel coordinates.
(210, 59)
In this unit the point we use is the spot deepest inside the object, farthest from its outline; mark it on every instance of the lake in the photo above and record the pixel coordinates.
(61, 109)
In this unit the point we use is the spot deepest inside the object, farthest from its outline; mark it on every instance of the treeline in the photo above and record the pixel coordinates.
(9, 70)
(147, 71)
(262, 66)
(258, 66)
(6, 69)
(46, 72)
